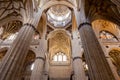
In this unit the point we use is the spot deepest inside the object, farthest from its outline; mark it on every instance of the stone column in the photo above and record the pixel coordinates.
(13, 61)
(16, 54)
(38, 68)
(37, 73)
(46, 72)
(98, 67)
(79, 73)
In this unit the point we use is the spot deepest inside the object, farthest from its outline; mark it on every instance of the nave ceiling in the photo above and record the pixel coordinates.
(103, 9)
(18, 10)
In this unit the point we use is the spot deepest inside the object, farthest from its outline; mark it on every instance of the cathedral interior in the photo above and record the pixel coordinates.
(59, 39)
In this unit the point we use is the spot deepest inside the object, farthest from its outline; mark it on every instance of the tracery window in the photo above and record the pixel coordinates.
(107, 35)
(59, 57)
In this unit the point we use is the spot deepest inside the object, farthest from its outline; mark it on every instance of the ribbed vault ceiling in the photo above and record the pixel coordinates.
(59, 41)
(103, 9)
(94, 9)
(10, 28)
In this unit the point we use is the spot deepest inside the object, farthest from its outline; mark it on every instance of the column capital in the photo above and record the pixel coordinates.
(84, 23)
(40, 58)
(46, 73)
(31, 25)
(77, 57)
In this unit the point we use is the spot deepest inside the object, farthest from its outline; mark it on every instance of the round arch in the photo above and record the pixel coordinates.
(97, 17)
(105, 25)
(52, 33)
(51, 3)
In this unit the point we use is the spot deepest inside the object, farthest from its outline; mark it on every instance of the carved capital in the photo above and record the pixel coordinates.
(77, 57)
(40, 58)
(31, 25)
(84, 23)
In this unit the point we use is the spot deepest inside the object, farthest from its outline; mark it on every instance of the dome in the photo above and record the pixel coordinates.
(59, 15)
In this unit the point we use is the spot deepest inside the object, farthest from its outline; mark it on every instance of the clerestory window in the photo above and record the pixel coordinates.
(59, 57)
(107, 35)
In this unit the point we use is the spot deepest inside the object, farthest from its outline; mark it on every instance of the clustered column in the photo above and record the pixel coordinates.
(98, 67)
(12, 63)
(46, 70)
(79, 73)
(14, 58)
(37, 73)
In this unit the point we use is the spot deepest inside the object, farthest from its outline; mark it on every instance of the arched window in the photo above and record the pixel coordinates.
(60, 57)
(107, 35)
(64, 58)
(55, 58)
